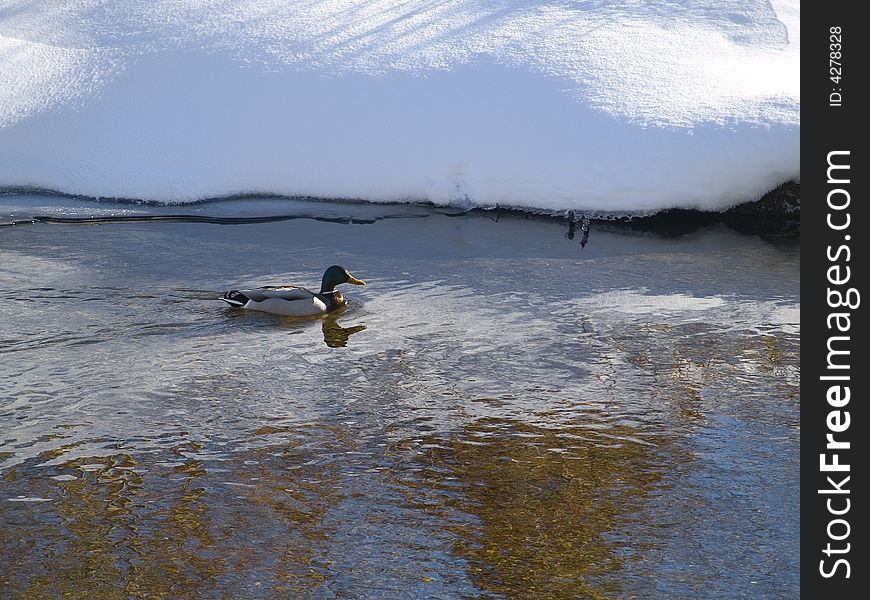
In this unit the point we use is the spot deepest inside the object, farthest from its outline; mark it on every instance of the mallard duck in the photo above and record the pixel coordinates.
(292, 300)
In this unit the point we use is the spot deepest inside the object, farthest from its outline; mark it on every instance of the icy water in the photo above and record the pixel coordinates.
(498, 414)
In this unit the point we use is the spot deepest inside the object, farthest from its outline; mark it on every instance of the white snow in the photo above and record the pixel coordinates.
(549, 104)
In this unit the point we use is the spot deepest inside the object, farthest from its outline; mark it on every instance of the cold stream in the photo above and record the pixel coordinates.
(498, 413)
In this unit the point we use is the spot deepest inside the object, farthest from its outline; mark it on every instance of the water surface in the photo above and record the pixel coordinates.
(497, 414)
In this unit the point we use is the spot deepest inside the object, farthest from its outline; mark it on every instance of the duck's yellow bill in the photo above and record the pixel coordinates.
(354, 280)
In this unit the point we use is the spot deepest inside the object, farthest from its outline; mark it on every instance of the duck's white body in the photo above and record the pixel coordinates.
(291, 301)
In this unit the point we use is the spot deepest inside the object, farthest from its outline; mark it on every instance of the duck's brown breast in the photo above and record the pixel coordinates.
(333, 300)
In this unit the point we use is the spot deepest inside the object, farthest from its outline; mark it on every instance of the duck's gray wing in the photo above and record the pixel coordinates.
(288, 292)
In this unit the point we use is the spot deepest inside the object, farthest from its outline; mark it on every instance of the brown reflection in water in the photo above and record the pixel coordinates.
(336, 336)
(105, 535)
(297, 489)
(541, 503)
(179, 534)
(687, 360)
(126, 529)
(67, 552)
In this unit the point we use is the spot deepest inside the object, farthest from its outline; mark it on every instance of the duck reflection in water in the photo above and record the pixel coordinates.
(336, 336)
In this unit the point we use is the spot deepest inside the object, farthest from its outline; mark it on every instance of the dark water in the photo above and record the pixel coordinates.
(498, 414)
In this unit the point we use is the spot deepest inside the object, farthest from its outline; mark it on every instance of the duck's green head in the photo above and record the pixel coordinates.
(336, 275)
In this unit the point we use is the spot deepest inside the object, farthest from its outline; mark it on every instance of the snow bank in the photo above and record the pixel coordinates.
(591, 105)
